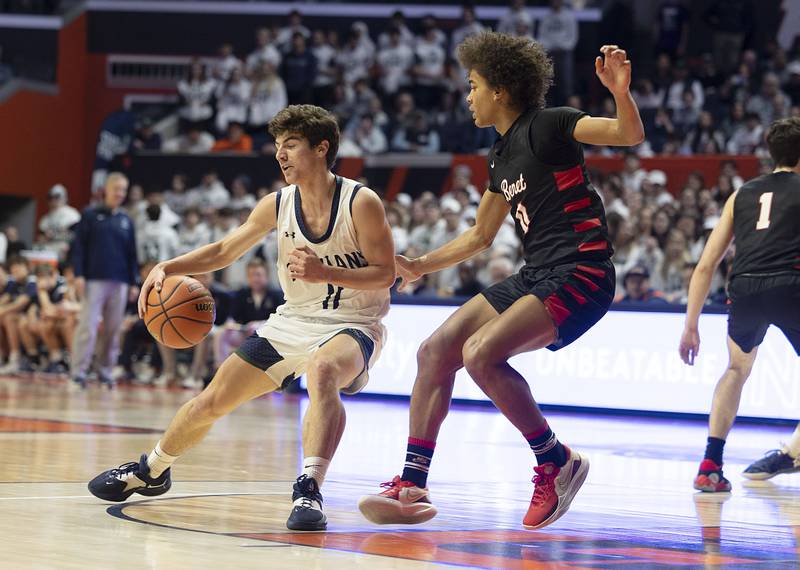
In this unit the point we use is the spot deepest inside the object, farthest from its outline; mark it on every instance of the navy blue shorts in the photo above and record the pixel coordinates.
(576, 295)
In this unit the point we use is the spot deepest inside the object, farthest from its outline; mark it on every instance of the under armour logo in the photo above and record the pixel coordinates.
(288, 234)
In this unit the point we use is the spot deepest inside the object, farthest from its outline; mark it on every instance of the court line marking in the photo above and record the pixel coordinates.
(176, 496)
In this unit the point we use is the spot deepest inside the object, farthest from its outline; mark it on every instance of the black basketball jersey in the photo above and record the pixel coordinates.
(766, 225)
(539, 167)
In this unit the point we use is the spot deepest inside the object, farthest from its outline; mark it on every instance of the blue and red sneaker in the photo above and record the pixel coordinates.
(710, 478)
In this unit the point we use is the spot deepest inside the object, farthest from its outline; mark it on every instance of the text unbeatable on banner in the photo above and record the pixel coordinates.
(613, 360)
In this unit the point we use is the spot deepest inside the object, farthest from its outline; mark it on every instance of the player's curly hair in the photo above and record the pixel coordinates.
(312, 123)
(516, 64)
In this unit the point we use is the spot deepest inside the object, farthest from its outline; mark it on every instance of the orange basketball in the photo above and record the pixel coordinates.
(181, 314)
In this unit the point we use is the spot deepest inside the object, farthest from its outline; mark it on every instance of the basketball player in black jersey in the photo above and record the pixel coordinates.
(538, 175)
(764, 219)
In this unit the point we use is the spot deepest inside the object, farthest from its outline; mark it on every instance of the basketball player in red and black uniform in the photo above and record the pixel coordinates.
(538, 175)
(764, 219)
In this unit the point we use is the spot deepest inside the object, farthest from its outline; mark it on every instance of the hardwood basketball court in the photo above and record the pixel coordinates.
(231, 495)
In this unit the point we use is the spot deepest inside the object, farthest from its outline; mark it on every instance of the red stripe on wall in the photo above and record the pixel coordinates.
(577, 205)
(587, 225)
(593, 245)
(396, 181)
(568, 178)
(557, 309)
(591, 270)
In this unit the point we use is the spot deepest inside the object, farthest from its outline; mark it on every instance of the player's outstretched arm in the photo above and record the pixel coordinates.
(491, 212)
(215, 255)
(716, 246)
(614, 71)
(376, 243)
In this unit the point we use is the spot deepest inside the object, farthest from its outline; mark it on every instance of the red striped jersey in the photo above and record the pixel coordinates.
(539, 167)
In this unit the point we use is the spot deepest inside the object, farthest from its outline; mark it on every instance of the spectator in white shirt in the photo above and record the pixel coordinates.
(470, 26)
(268, 96)
(398, 20)
(368, 136)
(56, 224)
(429, 23)
(227, 63)
(176, 196)
(195, 141)
(558, 33)
(326, 70)
(211, 194)
(680, 83)
(241, 198)
(516, 13)
(429, 68)
(166, 216)
(284, 38)
(265, 52)
(156, 241)
(196, 93)
(193, 232)
(354, 60)
(747, 137)
(233, 99)
(395, 61)
(447, 280)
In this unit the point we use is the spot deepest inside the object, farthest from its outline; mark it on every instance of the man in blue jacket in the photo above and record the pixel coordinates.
(104, 257)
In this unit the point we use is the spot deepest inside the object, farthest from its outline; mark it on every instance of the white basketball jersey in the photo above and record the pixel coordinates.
(337, 247)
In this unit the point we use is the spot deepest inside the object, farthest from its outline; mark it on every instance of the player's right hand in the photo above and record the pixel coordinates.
(690, 346)
(408, 271)
(155, 279)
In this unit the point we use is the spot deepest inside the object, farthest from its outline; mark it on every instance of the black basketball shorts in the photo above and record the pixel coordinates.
(576, 295)
(758, 301)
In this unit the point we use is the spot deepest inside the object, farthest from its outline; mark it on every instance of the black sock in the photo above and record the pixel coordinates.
(418, 461)
(714, 450)
(546, 447)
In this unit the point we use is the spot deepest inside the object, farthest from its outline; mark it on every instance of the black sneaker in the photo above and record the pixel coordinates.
(106, 381)
(307, 512)
(57, 368)
(773, 463)
(120, 483)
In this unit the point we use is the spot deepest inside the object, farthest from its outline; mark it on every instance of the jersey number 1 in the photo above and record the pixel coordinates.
(763, 214)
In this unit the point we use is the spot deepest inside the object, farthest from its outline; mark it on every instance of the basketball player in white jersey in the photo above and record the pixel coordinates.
(335, 264)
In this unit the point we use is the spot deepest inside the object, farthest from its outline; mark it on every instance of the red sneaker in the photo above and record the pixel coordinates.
(710, 478)
(402, 502)
(555, 489)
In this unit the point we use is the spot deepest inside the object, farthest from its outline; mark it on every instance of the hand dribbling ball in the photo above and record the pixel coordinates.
(181, 314)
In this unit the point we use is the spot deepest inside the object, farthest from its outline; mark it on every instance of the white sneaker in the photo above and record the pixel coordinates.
(191, 383)
(401, 503)
(10, 367)
(162, 381)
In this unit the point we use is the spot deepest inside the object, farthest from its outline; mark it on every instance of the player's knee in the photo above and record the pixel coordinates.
(323, 375)
(205, 408)
(436, 354)
(740, 369)
(476, 357)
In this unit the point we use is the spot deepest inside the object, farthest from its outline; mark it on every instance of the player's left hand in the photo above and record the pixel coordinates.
(306, 266)
(690, 346)
(614, 69)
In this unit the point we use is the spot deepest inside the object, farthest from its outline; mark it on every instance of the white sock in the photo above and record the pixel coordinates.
(159, 461)
(316, 467)
(793, 447)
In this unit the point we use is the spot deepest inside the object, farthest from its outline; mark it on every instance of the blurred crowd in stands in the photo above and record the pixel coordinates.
(403, 91)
